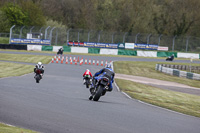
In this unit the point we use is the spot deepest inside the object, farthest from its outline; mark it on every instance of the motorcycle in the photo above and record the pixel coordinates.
(38, 76)
(88, 81)
(100, 88)
(60, 51)
(170, 58)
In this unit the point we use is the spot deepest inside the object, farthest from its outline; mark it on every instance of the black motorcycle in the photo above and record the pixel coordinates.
(88, 81)
(101, 86)
(60, 51)
(38, 76)
(170, 58)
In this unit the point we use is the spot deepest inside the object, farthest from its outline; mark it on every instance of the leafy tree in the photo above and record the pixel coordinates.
(4, 23)
(15, 14)
(34, 13)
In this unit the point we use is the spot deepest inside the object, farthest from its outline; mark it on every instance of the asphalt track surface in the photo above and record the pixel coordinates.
(59, 104)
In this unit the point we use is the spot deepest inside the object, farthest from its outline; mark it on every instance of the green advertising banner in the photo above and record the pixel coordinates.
(127, 52)
(121, 45)
(66, 48)
(94, 50)
(166, 54)
(47, 48)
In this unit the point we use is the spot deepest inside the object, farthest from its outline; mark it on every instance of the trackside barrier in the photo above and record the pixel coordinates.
(128, 52)
(177, 72)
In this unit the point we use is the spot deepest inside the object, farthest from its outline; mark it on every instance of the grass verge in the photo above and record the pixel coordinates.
(14, 69)
(147, 69)
(180, 102)
(25, 58)
(4, 40)
(10, 129)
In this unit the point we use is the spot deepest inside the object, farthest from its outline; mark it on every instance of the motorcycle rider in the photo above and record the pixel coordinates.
(39, 65)
(60, 51)
(171, 58)
(107, 72)
(87, 72)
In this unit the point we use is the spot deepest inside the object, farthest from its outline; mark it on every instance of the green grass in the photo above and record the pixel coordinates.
(4, 40)
(25, 58)
(14, 69)
(180, 102)
(147, 69)
(10, 129)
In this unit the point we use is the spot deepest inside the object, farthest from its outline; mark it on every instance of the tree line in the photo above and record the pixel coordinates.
(167, 17)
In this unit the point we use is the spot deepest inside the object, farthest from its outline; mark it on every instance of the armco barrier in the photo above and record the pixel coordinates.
(99, 51)
(79, 50)
(34, 47)
(147, 53)
(196, 76)
(189, 75)
(109, 51)
(56, 48)
(177, 73)
(183, 74)
(188, 55)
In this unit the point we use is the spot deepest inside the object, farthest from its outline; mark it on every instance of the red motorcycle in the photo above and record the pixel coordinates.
(38, 75)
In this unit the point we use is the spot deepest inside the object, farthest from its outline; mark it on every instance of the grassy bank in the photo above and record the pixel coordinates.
(25, 58)
(14, 69)
(4, 40)
(180, 102)
(10, 129)
(147, 69)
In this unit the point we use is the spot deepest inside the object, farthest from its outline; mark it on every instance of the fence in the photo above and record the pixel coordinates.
(4, 35)
(60, 36)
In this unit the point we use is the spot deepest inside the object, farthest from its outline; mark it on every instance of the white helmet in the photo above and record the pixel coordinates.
(40, 63)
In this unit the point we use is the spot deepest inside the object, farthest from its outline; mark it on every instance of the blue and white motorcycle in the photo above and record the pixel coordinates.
(100, 87)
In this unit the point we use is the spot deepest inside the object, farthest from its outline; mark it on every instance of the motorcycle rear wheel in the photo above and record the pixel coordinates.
(98, 93)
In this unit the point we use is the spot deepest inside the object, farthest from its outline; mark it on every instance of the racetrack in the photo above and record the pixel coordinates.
(59, 103)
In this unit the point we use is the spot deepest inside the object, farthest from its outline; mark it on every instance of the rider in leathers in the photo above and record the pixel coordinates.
(107, 72)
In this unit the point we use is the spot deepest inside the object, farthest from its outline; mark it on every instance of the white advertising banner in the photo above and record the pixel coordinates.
(56, 48)
(34, 47)
(147, 53)
(109, 51)
(79, 50)
(188, 55)
(162, 48)
(129, 45)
